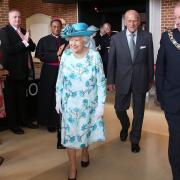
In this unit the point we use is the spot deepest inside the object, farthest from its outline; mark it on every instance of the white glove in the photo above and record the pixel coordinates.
(99, 112)
(58, 106)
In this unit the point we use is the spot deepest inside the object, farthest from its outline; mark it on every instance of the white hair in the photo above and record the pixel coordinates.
(134, 12)
(13, 10)
(86, 39)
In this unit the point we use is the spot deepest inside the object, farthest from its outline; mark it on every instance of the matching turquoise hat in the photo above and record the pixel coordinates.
(77, 29)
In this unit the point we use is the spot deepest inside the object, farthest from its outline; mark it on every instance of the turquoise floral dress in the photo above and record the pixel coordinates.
(81, 88)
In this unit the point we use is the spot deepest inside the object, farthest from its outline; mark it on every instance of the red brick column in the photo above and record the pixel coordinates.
(167, 20)
(28, 7)
(4, 8)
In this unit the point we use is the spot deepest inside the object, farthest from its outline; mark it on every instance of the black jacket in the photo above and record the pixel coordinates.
(122, 71)
(168, 73)
(15, 53)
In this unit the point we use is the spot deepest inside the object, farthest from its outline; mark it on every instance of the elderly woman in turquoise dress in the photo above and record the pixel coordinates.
(80, 95)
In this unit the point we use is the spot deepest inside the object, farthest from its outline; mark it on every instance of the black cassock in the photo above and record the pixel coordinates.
(46, 51)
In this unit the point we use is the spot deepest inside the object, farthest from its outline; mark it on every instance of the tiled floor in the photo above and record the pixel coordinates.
(114, 160)
(34, 155)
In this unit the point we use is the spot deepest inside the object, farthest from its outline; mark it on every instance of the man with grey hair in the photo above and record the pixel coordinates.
(106, 38)
(130, 72)
(168, 88)
(17, 47)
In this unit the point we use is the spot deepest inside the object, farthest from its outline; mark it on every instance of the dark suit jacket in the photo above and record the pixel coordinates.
(122, 71)
(99, 42)
(15, 53)
(168, 73)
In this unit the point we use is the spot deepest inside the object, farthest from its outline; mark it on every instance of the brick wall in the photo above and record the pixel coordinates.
(69, 12)
(4, 8)
(167, 20)
(30, 7)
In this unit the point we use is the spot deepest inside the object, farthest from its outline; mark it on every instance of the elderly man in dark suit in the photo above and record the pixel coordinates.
(16, 47)
(168, 88)
(130, 71)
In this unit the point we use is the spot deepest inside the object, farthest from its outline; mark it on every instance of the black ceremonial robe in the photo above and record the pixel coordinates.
(47, 53)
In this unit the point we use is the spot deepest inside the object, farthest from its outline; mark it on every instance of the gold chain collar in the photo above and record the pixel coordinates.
(171, 37)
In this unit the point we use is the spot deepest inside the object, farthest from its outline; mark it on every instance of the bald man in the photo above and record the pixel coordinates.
(168, 88)
(17, 47)
(106, 38)
(130, 72)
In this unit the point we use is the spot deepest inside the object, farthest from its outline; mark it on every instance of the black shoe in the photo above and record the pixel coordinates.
(135, 148)
(74, 177)
(17, 130)
(51, 129)
(85, 164)
(124, 134)
(1, 160)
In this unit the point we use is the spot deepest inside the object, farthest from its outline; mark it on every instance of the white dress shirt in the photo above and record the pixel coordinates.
(128, 36)
(19, 31)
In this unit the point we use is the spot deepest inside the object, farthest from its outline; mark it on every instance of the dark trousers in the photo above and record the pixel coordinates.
(105, 61)
(174, 143)
(15, 102)
(122, 103)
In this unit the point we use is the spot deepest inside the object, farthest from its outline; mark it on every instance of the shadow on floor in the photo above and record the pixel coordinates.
(114, 160)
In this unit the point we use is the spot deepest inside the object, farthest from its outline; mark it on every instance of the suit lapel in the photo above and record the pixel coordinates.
(14, 33)
(138, 42)
(125, 44)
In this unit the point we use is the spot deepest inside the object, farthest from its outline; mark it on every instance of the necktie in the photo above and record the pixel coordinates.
(29, 57)
(20, 34)
(132, 45)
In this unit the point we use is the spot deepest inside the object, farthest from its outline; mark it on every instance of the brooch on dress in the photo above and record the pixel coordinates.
(171, 37)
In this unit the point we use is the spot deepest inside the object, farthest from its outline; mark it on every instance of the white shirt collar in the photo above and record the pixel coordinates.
(128, 36)
(128, 33)
(15, 28)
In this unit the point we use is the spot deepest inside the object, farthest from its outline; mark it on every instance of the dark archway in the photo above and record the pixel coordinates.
(97, 12)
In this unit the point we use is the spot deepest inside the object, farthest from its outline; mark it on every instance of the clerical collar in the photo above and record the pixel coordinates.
(54, 35)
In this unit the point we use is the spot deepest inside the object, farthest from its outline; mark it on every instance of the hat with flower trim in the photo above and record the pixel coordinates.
(77, 29)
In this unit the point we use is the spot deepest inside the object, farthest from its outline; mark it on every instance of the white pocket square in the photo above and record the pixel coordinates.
(142, 47)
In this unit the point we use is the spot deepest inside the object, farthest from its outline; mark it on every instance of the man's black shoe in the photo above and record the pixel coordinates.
(124, 134)
(135, 148)
(17, 130)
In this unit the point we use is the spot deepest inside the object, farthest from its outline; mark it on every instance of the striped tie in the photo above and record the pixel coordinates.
(20, 34)
(29, 57)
